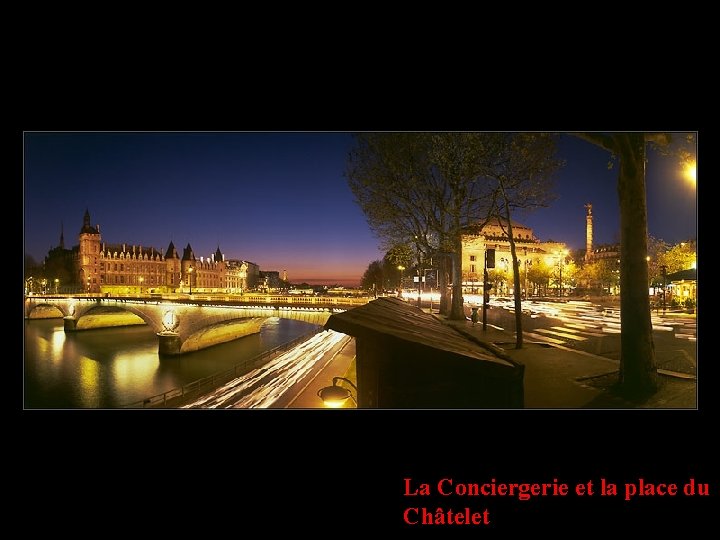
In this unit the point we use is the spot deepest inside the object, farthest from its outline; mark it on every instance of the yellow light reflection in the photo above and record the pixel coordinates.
(43, 347)
(132, 369)
(89, 381)
(58, 342)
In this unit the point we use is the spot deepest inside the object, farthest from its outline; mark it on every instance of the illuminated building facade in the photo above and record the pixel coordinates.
(476, 241)
(131, 269)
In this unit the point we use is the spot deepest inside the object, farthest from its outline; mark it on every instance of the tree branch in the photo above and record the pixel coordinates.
(598, 139)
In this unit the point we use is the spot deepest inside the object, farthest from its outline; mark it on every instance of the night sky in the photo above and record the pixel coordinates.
(280, 199)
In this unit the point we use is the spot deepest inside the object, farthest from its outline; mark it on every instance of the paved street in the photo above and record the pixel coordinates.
(596, 329)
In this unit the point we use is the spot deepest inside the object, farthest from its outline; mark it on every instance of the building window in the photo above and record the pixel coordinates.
(472, 268)
(472, 258)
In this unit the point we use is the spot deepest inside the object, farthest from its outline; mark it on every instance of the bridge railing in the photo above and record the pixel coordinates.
(258, 299)
(184, 394)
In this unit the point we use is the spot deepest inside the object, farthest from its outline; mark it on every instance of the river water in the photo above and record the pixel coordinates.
(112, 367)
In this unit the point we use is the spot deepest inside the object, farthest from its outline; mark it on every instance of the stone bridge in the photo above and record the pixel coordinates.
(182, 325)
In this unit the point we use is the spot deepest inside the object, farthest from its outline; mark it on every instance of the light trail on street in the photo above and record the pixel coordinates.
(588, 319)
(261, 387)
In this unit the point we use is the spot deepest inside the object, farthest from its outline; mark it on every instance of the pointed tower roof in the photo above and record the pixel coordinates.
(218, 254)
(171, 252)
(62, 236)
(87, 228)
(188, 254)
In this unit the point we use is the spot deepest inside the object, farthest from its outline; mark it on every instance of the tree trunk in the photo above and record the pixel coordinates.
(638, 371)
(517, 292)
(457, 313)
(516, 276)
(444, 307)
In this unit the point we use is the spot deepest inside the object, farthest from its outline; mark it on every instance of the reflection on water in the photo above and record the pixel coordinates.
(111, 367)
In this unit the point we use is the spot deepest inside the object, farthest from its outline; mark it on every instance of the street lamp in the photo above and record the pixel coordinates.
(691, 172)
(44, 284)
(141, 279)
(401, 268)
(563, 254)
(57, 284)
(527, 295)
(663, 268)
(419, 292)
(190, 271)
(430, 270)
(335, 396)
(506, 265)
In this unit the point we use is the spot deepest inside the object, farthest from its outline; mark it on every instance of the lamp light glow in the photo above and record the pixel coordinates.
(336, 396)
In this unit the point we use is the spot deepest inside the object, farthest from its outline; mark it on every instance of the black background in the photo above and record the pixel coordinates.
(317, 471)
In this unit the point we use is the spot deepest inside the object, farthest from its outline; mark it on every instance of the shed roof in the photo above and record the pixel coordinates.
(392, 317)
(683, 275)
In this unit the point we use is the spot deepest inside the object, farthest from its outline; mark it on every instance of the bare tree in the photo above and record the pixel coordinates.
(422, 189)
(523, 166)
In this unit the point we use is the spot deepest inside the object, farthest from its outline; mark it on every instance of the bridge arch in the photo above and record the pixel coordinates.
(181, 324)
(116, 315)
(44, 311)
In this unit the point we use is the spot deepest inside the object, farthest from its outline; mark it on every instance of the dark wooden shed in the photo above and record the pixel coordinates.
(408, 359)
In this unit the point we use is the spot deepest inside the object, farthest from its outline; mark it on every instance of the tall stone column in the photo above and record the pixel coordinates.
(588, 232)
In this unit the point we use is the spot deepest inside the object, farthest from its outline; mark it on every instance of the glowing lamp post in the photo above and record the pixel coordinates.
(691, 172)
(527, 293)
(140, 280)
(335, 396)
(401, 268)
(563, 254)
(57, 285)
(190, 271)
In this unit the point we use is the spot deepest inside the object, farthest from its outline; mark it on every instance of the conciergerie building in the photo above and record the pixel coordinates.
(136, 269)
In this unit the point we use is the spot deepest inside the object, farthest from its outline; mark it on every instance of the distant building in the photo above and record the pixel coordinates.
(133, 269)
(605, 251)
(58, 267)
(269, 280)
(682, 285)
(476, 241)
(253, 274)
